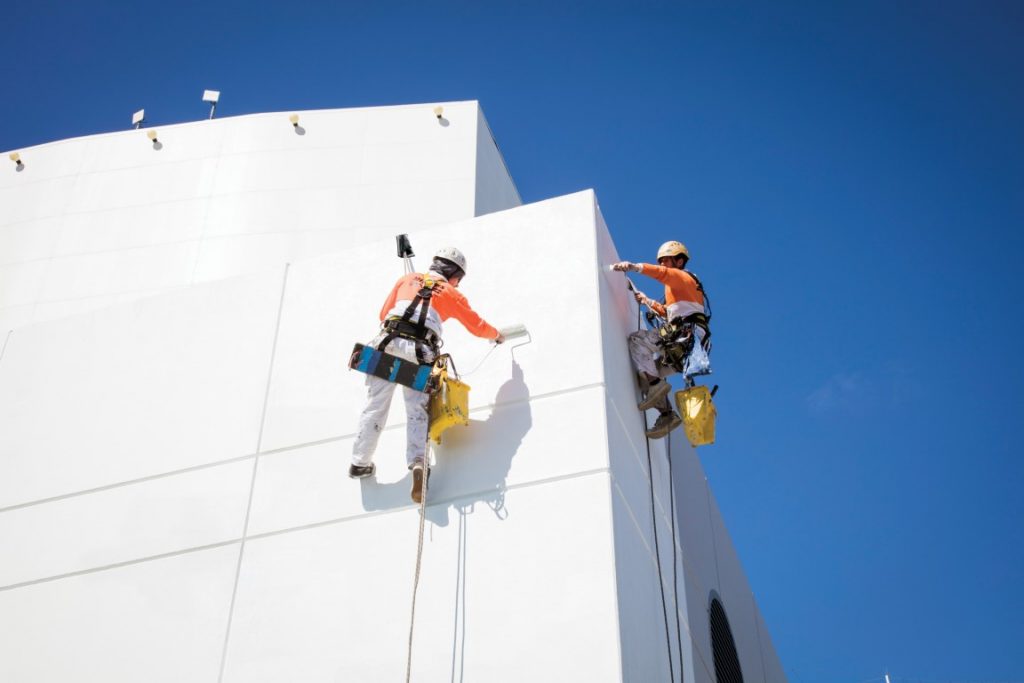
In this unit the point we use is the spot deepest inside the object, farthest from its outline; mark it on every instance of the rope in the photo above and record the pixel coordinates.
(675, 576)
(657, 550)
(419, 559)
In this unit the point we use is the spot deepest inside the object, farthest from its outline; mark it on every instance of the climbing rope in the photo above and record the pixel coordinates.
(675, 576)
(419, 559)
(654, 525)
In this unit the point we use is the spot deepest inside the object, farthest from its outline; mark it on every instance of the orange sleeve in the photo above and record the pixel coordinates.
(671, 277)
(453, 304)
(658, 308)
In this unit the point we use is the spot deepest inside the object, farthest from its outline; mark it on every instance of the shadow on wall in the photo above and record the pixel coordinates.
(472, 462)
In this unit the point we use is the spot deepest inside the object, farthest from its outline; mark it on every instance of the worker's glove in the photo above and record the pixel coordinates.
(500, 339)
(623, 266)
(643, 299)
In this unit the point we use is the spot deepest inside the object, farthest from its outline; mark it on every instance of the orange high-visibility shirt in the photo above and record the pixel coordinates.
(682, 296)
(446, 300)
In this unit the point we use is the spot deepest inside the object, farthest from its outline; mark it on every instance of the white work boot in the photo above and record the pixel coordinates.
(655, 393)
(665, 423)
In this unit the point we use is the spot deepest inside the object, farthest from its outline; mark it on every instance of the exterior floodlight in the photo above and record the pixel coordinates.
(294, 118)
(211, 97)
(16, 158)
(438, 111)
(151, 134)
(138, 118)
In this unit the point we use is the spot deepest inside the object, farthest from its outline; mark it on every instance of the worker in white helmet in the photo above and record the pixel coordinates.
(411, 327)
(684, 341)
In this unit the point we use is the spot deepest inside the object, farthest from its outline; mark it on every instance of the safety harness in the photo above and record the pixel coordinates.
(416, 331)
(676, 336)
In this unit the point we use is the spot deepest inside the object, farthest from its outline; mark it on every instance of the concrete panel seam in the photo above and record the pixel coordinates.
(255, 468)
(687, 565)
(657, 497)
(613, 559)
(625, 429)
(130, 482)
(206, 228)
(401, 425)
(7, 338)
(440, 502)
(714, 542)
(301, 527)
(250, 456)
(141, 292)
(650, 554)
(118, 565)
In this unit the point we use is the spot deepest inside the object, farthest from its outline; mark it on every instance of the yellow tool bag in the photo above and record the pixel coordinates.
(698, 414)
(449, 401)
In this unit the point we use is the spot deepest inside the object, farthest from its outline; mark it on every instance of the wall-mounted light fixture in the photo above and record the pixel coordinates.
(18, 164)
(438, 112)
(151, 134)
(211, 97)
(138, 118)
(294, 118)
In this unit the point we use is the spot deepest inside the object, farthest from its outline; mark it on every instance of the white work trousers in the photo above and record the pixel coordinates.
(378, 403)
(644, 350)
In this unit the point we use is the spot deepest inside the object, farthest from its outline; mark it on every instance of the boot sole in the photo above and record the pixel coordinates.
(654, 396)
(663, 431)
(417, 485)
(373, 470)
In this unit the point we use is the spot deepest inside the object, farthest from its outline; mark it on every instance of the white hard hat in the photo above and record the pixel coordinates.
(673, 248)
(452, 254)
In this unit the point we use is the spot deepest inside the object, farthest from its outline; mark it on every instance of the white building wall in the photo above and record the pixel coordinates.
(104, 219)
(495, 189)
(174, 502)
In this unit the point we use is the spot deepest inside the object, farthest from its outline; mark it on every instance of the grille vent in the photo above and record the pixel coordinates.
(723, 647)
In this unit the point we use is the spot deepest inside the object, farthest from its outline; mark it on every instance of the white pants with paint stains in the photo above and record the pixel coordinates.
(378, 403)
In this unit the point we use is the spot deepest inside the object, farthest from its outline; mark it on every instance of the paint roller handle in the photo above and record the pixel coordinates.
(511, 332)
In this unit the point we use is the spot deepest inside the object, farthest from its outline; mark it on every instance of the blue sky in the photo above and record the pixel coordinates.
(849, 178)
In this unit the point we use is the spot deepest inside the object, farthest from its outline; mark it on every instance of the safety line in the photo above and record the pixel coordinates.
(650, 554)
(654, 525)
(255, 467)
(424, 481)
(672, 517)
(657, 553)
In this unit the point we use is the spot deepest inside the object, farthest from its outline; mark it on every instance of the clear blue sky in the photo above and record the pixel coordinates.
(850, 181)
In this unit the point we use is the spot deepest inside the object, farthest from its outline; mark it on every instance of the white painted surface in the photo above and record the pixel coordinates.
(160, 621)
(95, 219)
(99, 529)
(136, 390)
(334, 301)
(539, 539)
(495, 189)
(311, 485)
(529, 596)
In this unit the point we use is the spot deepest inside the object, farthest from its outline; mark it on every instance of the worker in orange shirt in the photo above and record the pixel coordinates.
(411, 328)
(687, 316)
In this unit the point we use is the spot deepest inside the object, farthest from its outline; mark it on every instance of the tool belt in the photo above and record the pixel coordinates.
(403, 329)
(407, 330)
(676, 339)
